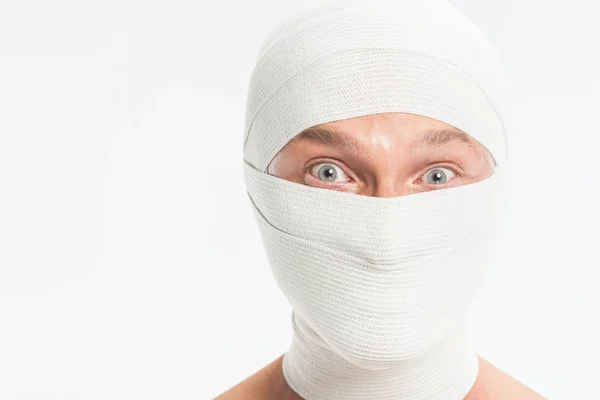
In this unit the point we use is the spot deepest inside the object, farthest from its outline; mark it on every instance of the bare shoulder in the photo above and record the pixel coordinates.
(495, 384)
(265, 384)
(491, 384)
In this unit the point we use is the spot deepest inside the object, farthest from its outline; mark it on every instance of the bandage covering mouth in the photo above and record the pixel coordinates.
(380, 287)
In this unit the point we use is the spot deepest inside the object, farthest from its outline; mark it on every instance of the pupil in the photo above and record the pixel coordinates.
(437, 176)
(327, 173)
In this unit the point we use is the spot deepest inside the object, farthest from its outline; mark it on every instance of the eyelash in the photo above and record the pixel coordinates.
(437, 166)
(453, 169)
(332, 162)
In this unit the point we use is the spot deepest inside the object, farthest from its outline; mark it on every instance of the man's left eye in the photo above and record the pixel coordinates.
(438, 176)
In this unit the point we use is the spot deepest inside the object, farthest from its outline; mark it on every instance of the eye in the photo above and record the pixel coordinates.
(438, 176)
(328, 173)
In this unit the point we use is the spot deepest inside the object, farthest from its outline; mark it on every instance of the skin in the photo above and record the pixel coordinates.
(382, 155)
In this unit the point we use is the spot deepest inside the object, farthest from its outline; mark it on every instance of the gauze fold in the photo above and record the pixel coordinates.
(391, 274)
(380, 287)
(351, 58)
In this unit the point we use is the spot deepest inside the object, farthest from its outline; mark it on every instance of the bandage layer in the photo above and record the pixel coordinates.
(351, 58)
(380, 287)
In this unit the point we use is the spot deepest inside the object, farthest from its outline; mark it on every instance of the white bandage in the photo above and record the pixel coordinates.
(380, 287)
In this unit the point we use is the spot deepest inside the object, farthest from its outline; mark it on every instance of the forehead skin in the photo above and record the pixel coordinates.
(385, 152)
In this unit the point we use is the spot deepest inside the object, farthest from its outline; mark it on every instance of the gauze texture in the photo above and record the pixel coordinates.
(380, 287)
(351, 58)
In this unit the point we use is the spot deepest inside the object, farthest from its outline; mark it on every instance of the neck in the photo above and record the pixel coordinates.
(314, 371)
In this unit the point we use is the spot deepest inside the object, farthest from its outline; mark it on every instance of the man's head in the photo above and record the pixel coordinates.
(352, 106)
(383, 155)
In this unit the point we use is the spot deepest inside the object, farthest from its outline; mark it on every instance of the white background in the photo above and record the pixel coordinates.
(130, 265)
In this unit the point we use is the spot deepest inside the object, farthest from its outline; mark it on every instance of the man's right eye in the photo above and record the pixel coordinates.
(327, 172)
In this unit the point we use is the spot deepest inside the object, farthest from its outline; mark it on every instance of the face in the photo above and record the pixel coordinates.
(383, 155)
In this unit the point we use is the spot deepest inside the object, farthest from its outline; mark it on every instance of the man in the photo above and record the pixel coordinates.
(375, 134)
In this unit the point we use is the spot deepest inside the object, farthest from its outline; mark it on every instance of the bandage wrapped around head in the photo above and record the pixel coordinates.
(380, 287)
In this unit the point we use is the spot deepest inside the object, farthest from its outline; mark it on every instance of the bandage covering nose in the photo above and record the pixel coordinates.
(380, 287)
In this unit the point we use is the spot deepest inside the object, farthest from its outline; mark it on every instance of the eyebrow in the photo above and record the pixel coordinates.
(429, 138)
